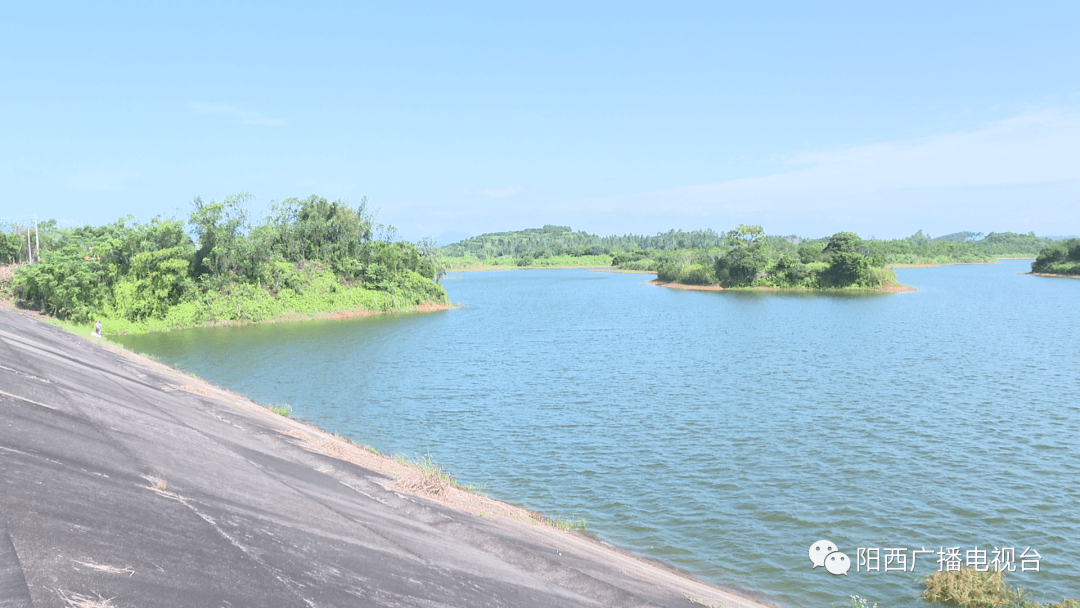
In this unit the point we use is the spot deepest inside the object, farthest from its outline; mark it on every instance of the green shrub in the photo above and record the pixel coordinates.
(1059, 258)
(646, 265)
(698, 274)
(969, 588)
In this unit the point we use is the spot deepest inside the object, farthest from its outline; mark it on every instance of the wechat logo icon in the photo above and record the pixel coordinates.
(825, 553)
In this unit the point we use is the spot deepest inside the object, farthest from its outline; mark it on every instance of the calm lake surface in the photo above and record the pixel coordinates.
(722, 433)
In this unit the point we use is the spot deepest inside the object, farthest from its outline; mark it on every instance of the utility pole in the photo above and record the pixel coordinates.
(29, 251)
(37, 239)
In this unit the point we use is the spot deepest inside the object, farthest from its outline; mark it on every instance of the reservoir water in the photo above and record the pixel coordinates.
(721, 433)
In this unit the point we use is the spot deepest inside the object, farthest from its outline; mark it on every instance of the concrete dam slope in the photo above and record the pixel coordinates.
(125, 483)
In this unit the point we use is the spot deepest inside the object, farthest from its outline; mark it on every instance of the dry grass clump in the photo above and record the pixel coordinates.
(970, 588)
(106, 569)
(566, 525)
(157, 484)
(283, 409)
(78, 600)
(699, 601)
(431, 479)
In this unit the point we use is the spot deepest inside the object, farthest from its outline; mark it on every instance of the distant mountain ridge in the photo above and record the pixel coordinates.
(561, 240)
(553, 240)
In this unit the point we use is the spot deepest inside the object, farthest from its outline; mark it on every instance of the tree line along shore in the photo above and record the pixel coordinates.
(1062, 258)
(744, 257)
(307, 257)
(311, 257)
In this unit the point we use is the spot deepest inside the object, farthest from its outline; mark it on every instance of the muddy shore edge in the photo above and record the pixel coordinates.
(890, 288)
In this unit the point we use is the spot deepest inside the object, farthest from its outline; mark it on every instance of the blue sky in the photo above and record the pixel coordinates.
(611, 117)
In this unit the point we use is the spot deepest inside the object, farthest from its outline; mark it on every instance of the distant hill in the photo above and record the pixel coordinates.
(561, 240)
(960, 237)
(451, 237)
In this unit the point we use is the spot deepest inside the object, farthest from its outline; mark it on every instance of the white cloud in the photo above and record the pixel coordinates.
(1010, 170)
(246, 117)
(1030, 148)
(1021, 173)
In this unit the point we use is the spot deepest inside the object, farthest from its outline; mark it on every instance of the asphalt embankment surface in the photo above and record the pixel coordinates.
(122, 485)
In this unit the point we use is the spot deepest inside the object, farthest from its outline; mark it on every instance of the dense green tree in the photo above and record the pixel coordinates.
(137, 272)
(794, 272)
(157, 280)
(561, 240)
(9, 247)
(225, 250)
(65, 283)
(920, 239)
(745, 262)
(961, 237)
(810, 252)
(846, 268)
(849, 263)
(746, 236)
(845, 242)
(1013, 244)
(1059, 258)
(316, 229)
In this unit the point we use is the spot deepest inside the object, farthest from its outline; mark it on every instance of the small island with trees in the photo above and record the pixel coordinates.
(743, 258)
(752, 261)
(1059, 259)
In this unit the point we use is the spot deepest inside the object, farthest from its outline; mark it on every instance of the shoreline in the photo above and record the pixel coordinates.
(996, 261)
(9, 302)
(406, 477)
(289, 317)
(904, 266)
(890, 288)
(481, 268)
(1056, 276)
(417, 478)
(335, 315)
(621, 271)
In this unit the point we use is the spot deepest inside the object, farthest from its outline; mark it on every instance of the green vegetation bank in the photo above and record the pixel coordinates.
(553, 246)
(750, 260)
(1060, 258)
(310, 256)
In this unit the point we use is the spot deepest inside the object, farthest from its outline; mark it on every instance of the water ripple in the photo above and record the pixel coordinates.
(721, 432)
